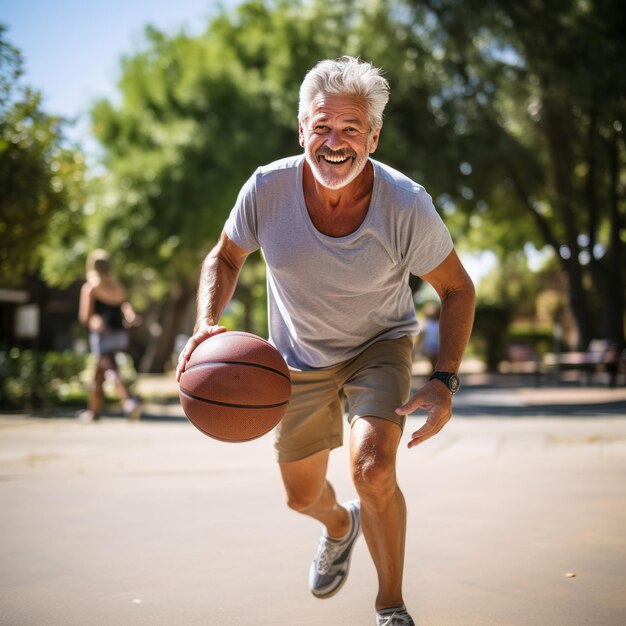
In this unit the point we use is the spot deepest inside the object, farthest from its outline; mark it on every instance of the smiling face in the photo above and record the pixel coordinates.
(337, 139)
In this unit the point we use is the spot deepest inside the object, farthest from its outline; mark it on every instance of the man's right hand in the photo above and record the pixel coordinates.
(202, 334)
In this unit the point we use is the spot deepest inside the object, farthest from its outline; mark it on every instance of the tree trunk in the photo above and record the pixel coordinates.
(571, 267)
(556, 121)
(612, 313)
(578, 304)
(609, 271)
(158, 356)
(616, 284)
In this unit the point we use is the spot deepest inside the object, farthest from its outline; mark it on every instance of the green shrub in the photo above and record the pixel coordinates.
(30, 379)
(490, 332)
(540, 339)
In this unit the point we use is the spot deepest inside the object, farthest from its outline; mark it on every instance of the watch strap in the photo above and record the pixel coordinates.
(449, 379)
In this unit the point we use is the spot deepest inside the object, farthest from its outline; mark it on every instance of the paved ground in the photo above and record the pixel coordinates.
(517, 516)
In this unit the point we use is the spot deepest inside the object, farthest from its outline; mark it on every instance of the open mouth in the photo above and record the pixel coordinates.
(335, 159)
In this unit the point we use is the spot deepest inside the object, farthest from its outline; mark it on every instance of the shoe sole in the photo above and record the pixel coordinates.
(337, 589)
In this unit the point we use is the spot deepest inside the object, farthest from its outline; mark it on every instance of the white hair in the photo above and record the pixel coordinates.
(347, 76)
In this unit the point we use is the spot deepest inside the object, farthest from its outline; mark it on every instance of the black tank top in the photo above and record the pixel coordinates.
(110, 313)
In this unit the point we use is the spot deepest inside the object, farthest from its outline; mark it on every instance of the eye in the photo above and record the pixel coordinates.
(320, 128)
(352, 131)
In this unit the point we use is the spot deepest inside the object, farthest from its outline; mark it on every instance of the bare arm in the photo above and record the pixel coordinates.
(458, 299)
(130, 316)
(87, 311)
(85, 305)
(456, 291)
(218, 279)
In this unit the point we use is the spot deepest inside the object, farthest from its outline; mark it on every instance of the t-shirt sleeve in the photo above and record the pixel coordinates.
(242, 224)
(429, 241)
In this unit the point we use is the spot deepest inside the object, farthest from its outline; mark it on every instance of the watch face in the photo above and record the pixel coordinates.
(454, 383)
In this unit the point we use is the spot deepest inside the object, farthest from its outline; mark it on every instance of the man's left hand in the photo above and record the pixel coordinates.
(436, 400)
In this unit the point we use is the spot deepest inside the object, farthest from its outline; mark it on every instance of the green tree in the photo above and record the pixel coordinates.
(192, 125)
(197, 115)
(39, 175)
(483, 112)
(535, 102)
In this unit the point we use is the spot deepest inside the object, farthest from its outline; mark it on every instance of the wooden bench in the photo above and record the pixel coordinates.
(601, 356)
(520, 359)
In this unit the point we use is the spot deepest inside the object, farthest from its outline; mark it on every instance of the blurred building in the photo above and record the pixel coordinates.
(39, 317)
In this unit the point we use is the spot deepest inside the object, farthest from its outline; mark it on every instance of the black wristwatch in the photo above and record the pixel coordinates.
(449, 379)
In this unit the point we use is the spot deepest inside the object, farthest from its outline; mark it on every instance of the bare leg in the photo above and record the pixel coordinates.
(96, 392)
(373, 446)
(113, 374)
(308, 492)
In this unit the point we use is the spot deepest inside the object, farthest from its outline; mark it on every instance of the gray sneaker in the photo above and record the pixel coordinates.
(398, 616)
(329, 570)
(132, 409)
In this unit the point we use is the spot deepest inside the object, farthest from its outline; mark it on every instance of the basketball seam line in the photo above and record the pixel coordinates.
(231, 405)
(263, 367)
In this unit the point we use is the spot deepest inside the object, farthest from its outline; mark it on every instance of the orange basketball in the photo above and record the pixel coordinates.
(236, 387)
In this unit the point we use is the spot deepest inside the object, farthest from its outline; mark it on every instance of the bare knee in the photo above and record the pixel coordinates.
(299, 502)
(374, 476)
(373, 446)
(302, 497)
(305, 482)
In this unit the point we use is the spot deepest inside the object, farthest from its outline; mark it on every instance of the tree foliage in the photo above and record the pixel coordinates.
(196, 117)
(39, 177)
(510, 114)
(515, 144)
(536, 96)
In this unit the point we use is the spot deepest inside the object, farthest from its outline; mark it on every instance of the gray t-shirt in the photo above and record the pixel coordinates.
(331, 297)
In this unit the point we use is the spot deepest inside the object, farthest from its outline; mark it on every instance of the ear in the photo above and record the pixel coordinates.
(375, 138)
(301, 135)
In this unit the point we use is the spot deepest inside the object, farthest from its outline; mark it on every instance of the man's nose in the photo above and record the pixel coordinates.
(334, 140)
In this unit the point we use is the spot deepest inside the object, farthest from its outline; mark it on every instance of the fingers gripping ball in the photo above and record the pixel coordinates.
(236, 387)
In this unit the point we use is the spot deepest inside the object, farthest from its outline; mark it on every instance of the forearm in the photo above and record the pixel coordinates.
(85, 306)
(218, 279)
(130, 317)
(455, 326)
(457, 295)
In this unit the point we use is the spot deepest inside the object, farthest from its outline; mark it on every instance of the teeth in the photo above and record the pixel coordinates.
(335, 159)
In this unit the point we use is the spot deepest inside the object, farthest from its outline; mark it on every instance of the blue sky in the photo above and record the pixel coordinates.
(72, 48)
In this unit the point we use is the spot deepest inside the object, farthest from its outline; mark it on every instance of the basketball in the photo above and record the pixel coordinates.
(236, 387)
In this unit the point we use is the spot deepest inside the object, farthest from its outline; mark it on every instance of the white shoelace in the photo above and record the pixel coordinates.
(395, 619)
(327, 552)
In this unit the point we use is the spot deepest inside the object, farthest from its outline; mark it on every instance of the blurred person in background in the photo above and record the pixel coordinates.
(106, 312)
(428, 339)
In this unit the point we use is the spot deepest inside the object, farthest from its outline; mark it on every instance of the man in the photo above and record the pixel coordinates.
(340, 234)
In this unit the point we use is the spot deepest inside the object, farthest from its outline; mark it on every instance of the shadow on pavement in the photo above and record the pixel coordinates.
(482, 395)
(594, 409)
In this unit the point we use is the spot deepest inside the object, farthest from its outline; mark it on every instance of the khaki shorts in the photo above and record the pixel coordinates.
(375, 383)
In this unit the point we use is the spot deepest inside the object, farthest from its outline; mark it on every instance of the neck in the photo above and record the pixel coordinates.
(345, 197)
(338, 212)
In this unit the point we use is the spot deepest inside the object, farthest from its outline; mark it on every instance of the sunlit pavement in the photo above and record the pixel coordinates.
(517, 515)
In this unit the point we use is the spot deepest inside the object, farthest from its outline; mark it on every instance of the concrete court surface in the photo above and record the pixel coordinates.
(517, 516)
